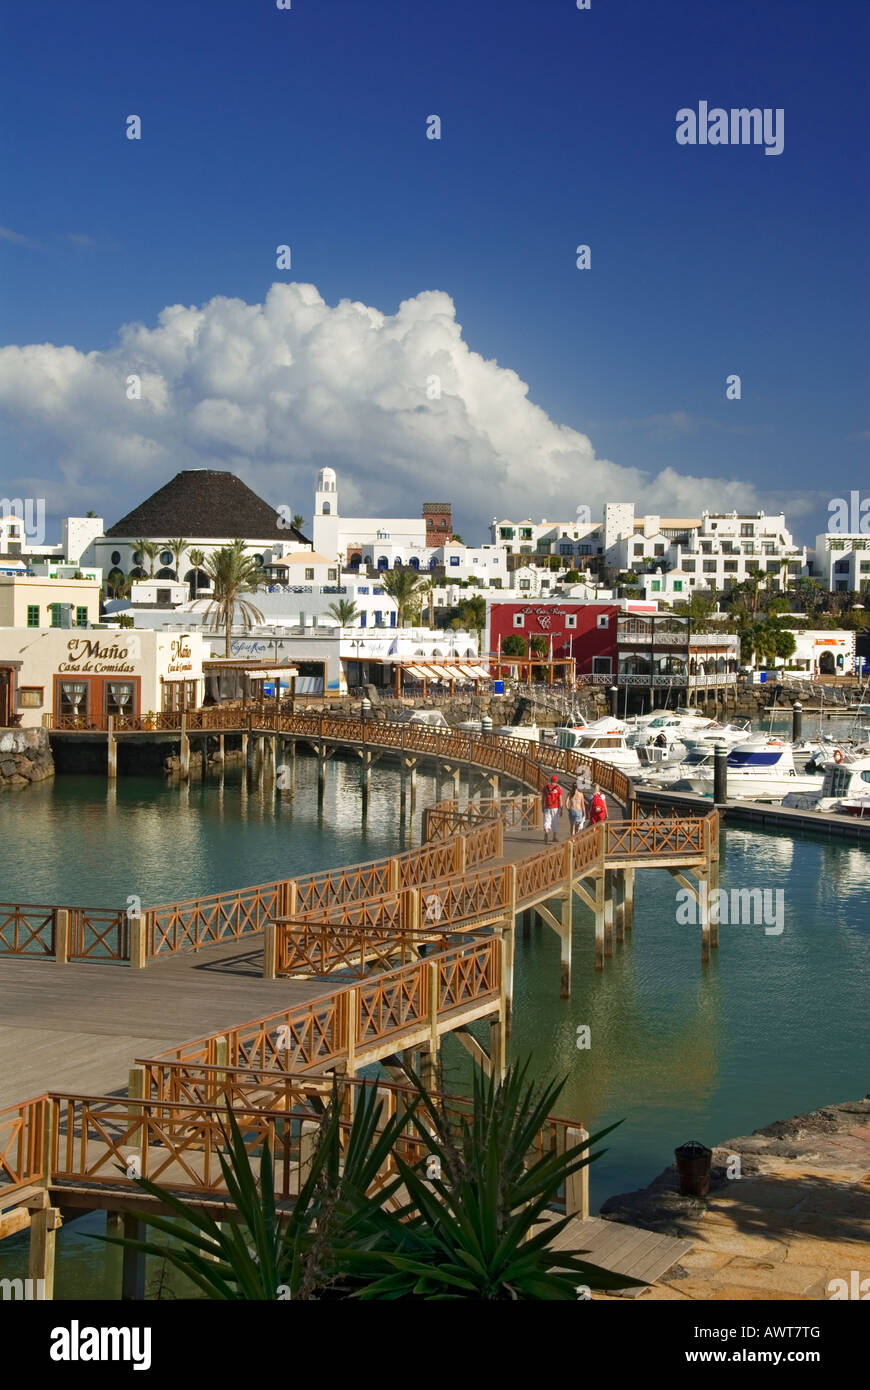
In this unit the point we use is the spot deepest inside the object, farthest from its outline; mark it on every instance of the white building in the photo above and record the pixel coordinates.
(714, 550)
(81, 677)
(823, 653)
(208, 510)
(358, 541)
(334, 661)
(841, 561)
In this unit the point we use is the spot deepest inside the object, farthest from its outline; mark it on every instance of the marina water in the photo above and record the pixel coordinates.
(775, 1025)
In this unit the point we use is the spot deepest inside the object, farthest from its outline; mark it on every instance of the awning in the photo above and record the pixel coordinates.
(475, 673)
(271, 674)
(418, 672)
(444, 673)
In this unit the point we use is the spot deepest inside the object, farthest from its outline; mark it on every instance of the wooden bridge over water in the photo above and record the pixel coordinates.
(379, 960)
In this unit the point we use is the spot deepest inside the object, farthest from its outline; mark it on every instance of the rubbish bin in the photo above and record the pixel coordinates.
(693, 1168)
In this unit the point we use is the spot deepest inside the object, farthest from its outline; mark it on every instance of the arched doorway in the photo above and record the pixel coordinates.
(414, 563)
(826, 664)
(355, 560)
(383, 562)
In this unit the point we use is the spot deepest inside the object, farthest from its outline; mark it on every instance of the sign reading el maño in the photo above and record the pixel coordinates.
(88, 654)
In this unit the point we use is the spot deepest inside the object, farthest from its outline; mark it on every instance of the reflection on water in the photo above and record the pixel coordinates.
(775, 1026)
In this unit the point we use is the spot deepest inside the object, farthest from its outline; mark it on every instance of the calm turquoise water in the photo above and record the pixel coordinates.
(777, 1024)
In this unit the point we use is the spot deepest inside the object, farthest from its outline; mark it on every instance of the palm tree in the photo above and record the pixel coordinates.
(406, 587)
(233, 573)
(178, 547)
(117, 584)
(148, 550)
(344, 611)
(298, 521)
(197, 559)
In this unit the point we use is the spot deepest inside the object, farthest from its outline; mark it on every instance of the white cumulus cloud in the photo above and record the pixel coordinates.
(275, 391)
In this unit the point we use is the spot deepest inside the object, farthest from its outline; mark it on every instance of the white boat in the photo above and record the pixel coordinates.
(845, 784)
(528, 733)
(760, 769)
(695, 760)
(605, 740)
(571, 721)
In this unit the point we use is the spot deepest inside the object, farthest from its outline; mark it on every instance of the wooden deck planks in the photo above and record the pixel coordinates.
(624, 1249)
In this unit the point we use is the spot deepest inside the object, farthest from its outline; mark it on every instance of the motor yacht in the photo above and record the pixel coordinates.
(845, 786)
(759, 769)
(604, 739)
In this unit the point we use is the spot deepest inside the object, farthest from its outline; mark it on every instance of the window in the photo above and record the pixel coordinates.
(678, 586)
(363, 620)
(82, 613)
(332, 574)
(525, 533)
(525, 585)
(566, 549)
(73, 697)
(638, 549)
(519, 619)
(601, 665)
(116, 557)
(706, 547)
(379, 619)
(363, 589)
(656, 586)
(709, 566)
(33, 615)
(689, 566)
(730, 566)
(659, 550)
(309, 572)
(166, 557)
(571, 620)
(749, 548)
(393, 618)
(587, 549)
(119, 697)
(747, 528)
(30, 697)
(604, 621)
(454, 559)
(56, 614)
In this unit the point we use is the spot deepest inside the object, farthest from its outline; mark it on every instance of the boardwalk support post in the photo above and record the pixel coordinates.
(111, 750)
(567, 924)
(270, 951)
(44, 1225)
(61, 935)
(138, 940)
(577, 1185)
(608, 913)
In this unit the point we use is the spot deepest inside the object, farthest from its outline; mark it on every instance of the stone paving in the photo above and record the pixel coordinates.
(797, 1218)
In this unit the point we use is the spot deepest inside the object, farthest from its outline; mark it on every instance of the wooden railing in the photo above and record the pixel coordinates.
(22, 1145)
(176, 1132)
(683, 836)
(359, 1018)
(77, 933)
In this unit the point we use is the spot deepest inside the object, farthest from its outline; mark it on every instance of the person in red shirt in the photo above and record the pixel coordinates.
(551, 798)
(597, 806)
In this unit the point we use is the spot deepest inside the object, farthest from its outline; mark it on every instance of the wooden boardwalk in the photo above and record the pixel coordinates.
(80, 1027)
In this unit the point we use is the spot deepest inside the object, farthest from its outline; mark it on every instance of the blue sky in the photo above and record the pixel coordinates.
(307, 127)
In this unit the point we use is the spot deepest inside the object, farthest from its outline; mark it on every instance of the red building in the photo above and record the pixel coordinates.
(584, 631)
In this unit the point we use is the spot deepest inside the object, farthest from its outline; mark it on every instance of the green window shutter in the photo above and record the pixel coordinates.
(55, 614)
(81, 617)
(33, 615)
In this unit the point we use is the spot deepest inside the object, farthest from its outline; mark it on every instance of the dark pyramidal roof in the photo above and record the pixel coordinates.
(207, 504)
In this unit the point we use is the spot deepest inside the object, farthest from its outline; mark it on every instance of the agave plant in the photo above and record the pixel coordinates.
(469, 1231)
(478, 1228)
(269, 1253)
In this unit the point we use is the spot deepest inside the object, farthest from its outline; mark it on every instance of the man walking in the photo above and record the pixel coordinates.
(551, 797)
(597, 807)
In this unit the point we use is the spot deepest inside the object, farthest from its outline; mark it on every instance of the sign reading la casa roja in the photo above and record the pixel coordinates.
(86, 655)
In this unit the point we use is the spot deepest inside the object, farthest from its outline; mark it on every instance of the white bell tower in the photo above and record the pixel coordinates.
(326, 496)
